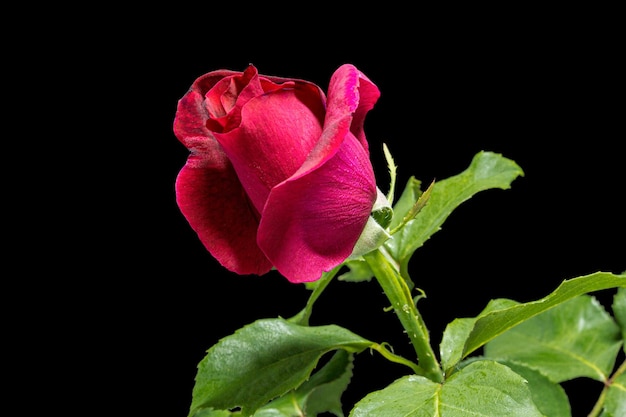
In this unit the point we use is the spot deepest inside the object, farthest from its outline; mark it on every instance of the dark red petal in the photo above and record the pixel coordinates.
(190, 122)
(215, 205)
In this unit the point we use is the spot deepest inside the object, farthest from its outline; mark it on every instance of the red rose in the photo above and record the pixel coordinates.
(278, 174)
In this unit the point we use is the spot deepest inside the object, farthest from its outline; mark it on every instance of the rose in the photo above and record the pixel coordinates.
(278, 174)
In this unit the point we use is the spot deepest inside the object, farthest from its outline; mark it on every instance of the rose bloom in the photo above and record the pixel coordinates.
(278, 175)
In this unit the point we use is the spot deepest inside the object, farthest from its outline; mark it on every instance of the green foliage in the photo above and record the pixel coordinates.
(483, 388)
(321, 393)
(575, 339)
(415, 219)
(358, 270)
(262, 361)
(619, 309)
(464, 336)
(550, 398)
(271, 368)
(487, 170)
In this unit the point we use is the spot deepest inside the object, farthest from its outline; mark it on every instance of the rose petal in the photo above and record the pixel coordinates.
(208, 192)
(311, 223)
(277, 132)
(351, 92)
(215, 205)
(345, 111)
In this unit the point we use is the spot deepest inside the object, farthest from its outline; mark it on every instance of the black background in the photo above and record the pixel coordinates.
(541, 87)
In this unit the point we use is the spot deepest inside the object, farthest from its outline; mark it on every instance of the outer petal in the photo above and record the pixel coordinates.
(216, 207)
(351, 92)
(312, 221)
(345, 111)
(311, 224)
(191, 115)
(209, 194)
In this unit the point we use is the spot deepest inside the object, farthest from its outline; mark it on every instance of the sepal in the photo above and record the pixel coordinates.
(375, 233)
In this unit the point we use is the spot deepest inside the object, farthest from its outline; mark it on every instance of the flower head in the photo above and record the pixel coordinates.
(278, 173)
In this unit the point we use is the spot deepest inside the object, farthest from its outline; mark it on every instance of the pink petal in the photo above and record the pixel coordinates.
(277, 132)
(312, 222)
(351, 92)
(345, 111)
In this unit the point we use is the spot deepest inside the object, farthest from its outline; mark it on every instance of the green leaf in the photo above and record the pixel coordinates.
(327, 386)
(549, 397)
(263, 361)
(575, 339)
(409, 396)
(615, 401)
(487, 170)
(619, 311)
(358, 271)
(482, 388)
(487, 388)
(321, 393)
(455, 336)
(500, 316)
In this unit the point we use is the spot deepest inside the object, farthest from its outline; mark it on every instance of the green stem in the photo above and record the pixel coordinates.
(597, 409)
(397, 291)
